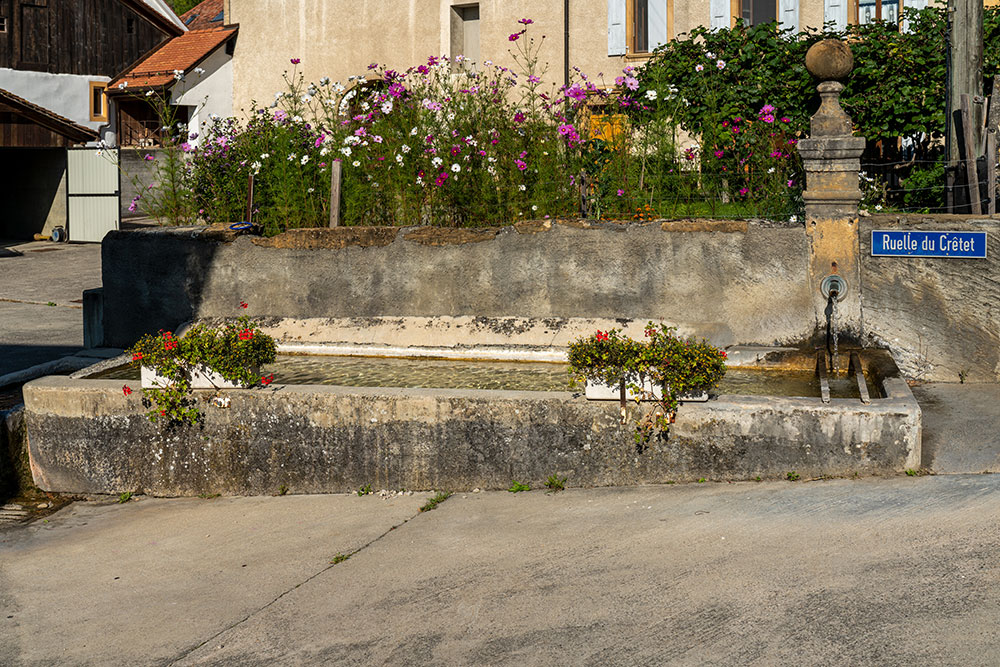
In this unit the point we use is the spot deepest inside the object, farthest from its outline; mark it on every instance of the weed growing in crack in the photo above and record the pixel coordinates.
(435, 501)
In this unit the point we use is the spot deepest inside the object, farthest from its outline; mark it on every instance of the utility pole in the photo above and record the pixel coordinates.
(965, 77)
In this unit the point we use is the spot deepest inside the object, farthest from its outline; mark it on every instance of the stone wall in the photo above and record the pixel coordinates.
(939, 316)
(732, 282)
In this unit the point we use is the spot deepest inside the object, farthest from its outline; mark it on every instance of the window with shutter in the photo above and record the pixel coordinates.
(616, 27)
(835, 14)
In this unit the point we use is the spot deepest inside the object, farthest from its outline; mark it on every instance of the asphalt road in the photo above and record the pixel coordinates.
(900, 571)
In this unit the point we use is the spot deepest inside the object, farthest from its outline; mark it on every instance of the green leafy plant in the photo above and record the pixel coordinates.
(364, 490)
(517, 487)
(339, 558)
(51, 303)
(124, 497)
(792, 476)
(283, 490)
(555, 483)
(435, 501)
(702, 480)
(676, 365)
(236, 350)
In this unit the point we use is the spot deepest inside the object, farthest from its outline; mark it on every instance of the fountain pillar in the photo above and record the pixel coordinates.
(831, 157)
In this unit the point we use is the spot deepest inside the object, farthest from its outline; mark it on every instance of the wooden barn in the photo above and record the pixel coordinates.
(56, 59)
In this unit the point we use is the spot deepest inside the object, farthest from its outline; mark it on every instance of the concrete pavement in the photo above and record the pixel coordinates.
(872, 571)
(33, 275)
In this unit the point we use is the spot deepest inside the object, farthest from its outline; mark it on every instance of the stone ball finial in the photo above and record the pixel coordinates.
(829, 60)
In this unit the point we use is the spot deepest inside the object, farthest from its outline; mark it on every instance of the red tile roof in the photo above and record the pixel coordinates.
(182, 53)
(200, 17)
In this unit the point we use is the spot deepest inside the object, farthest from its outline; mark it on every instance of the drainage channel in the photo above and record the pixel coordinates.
(11, 514)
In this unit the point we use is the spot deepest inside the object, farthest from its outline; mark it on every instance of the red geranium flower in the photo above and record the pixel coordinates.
(246, 334)
(126, 389)
(601, 335)
(243, 304)
(170, 344)
(137, 356)
(267, 379)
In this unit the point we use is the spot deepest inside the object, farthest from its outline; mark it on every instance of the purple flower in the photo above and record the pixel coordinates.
(719, 154)
(576, 92)
(743, 192)
(521, 164)
(514, 36)
(525, 21)
(296, 61)
(620, 192)
(786, 119)
(631, 83)
(519, 117)
(148, 157)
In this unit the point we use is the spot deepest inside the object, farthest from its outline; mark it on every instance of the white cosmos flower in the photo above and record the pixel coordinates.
(386, 107)
(355, 164)
(346, 150)
(399, 158)
(255, 166)
(324, 80)
(264, 156)
(305, 158)
(436, 162)
(521, 187)
(405, 148)
(413, 132)
(534, 208)
(650, 95)
(456, 168)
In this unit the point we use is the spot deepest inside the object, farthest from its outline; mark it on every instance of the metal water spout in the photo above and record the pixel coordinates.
(834, 290)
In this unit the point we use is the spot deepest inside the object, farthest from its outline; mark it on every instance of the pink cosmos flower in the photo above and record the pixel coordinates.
(514, 36)
(743, 192)
(521, 165)
(319, 140)
(719, 154)
(620, 193)
(525, 21)
(296, 61)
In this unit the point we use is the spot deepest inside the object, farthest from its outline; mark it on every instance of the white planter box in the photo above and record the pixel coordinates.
(201, 378)
(599, 391)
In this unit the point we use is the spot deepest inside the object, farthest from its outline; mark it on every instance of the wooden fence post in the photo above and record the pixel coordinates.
(335, 193)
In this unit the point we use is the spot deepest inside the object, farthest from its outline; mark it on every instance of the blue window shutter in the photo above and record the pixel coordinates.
(616, 27)
(658, 35)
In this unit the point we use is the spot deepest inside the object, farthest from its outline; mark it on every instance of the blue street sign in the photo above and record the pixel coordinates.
(912, 243)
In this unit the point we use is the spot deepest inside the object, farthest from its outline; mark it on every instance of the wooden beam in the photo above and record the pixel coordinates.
(969, 144)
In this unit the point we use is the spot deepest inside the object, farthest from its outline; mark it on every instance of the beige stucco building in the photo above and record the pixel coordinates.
(338, 38)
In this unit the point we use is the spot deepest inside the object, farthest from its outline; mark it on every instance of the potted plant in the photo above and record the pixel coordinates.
(662, 368)
(205, 357)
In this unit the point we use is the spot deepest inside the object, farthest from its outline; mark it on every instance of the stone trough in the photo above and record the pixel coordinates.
(86, 436)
